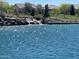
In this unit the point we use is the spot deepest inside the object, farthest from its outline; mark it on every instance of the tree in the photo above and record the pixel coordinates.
(5, 6)
(72, 10)
(1, 9)
(28, 8)
(33, 12)
(10, 9)
(77, 12)
(65, 9)
(56, 11)
(46, 12)
(39, 9)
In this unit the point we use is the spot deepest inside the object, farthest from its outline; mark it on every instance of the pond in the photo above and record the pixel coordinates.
(39, 42)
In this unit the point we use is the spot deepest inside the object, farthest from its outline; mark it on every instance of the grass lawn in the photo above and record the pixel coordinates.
(69, 17)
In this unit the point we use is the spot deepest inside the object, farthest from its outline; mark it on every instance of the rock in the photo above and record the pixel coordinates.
(32, 23)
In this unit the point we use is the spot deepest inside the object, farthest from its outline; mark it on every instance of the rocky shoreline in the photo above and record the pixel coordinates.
(18, 21)
(31, 20)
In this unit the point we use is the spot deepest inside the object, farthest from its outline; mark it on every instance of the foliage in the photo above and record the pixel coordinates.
(33, 12)
(72, 10)
(39, 9)
(65, 9)
(28, 8)
(55, 11)
(1, 8)
(46, 12)
(38, 17)
(77, 11)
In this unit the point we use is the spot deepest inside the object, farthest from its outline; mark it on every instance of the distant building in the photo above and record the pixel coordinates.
(20, 8)
(52, 7)
(76, 6)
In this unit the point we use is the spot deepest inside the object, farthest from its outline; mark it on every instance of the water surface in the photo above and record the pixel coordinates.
(39, 42)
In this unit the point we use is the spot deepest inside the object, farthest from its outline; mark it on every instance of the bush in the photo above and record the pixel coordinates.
(38, 17)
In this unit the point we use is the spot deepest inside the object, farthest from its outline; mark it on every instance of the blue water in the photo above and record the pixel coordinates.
(39, 42)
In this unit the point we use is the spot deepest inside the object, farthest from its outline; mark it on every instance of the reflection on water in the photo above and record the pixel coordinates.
(39, 42)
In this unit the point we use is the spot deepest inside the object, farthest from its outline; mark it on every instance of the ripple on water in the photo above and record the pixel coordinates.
(39, 42)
